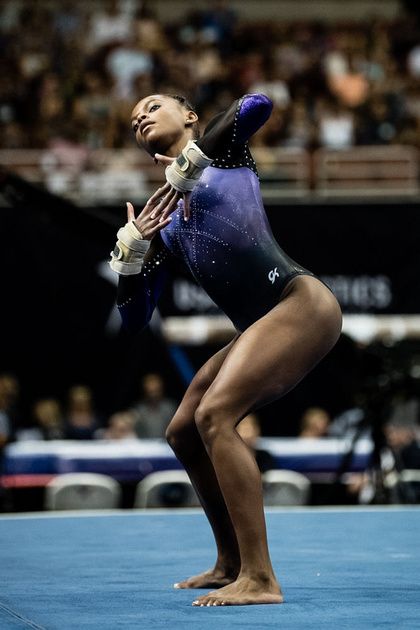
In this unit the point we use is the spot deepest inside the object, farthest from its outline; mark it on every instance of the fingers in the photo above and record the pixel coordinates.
(187, 209)
(163, 160)
(158, 194)
(155, 214)
(166, 205)
(148, 226)
(170, 204)
(130, 212)
(160, 225)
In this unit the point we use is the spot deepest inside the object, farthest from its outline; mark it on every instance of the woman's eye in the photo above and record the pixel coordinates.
(153, 108)
(135, 127)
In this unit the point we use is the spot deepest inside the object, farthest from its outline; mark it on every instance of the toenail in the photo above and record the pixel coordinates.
(176, 585)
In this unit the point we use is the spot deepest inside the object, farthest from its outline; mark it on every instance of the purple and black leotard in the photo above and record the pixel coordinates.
(227, 243)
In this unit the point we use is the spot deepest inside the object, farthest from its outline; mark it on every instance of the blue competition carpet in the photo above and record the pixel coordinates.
(339, 569)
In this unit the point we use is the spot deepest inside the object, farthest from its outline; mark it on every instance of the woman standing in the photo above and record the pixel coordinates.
(286, 319)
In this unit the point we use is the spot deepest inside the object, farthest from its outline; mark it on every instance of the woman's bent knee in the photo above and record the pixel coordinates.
(181, 437)
(210, 419)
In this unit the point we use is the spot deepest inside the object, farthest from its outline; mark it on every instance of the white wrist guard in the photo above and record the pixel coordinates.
(129, 252)
(184, 172)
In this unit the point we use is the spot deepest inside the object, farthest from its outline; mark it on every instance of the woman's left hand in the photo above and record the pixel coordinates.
(164, 160)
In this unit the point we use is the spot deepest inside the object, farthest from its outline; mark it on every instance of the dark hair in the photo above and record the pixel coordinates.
(187, 105)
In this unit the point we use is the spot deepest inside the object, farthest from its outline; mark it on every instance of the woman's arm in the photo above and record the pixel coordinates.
(138, 294)
(141, 260)
(224, 144)
(232, 128)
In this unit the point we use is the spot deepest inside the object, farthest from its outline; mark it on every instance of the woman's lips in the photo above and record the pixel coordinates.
(145, 126)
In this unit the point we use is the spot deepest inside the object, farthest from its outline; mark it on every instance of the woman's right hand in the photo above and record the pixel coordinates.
(150, 221)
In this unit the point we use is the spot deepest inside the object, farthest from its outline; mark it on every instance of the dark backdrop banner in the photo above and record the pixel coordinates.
(58, 322)
(368, 254)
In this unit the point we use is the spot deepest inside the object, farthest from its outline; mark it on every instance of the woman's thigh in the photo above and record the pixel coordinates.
(184, 416)
(277, 351)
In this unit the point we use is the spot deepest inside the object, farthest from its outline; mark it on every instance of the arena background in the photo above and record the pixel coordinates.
(339, 170)
(350, 213)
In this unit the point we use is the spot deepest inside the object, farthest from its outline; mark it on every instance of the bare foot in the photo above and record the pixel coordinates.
(213, 578)
(243, 592)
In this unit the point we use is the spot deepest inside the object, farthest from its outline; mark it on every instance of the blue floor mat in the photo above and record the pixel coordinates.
(340, 569)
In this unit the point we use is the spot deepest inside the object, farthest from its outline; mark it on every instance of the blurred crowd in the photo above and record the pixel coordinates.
(71, 73)
(77, 418)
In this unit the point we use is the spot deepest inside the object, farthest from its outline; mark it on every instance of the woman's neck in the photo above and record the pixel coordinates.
(175, 149)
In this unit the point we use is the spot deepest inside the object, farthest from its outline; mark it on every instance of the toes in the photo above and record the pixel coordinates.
(215, 601)
(208, 601)
(212, 601)
(202, 601)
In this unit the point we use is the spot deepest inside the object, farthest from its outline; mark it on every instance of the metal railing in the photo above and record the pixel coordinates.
(109, 176)
(369, 170)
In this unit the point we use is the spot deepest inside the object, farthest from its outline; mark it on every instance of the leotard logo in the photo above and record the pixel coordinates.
(273, 274)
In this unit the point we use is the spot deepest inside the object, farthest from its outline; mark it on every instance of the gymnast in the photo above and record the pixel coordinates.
(210, 214)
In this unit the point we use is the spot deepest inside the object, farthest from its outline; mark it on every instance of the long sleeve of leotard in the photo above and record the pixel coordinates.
(137, 295)
(232, 128)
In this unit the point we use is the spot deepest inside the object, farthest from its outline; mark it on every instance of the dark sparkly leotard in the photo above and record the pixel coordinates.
(227, 243)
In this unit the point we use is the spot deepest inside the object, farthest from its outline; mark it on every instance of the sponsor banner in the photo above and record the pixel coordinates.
(367, 254)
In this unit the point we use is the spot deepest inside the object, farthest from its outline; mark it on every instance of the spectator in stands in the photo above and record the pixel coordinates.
(346, 82)
(250, 431)
(47, 422)
(402, 438)
(413, 62)
(110, 26)
(48, 416)
(299, 128)
(11, 131)
(377, 124)
(150, 31)
(92, 109)
(9, 418)
(402, 452)
(8, 393)
(336, 126)
(154, 411)
(120, 427)
(218, 22)
(349, 422)
(68, 22)
(314, 423)
(125, 63)
(6, 428)
(81, 420)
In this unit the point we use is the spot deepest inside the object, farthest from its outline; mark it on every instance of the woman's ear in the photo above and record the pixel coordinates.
(190, 118)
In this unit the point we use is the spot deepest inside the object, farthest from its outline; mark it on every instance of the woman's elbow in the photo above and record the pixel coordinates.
(262, 101)
(258, 107)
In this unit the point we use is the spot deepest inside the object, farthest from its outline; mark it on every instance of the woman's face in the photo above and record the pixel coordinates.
(159, 122)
